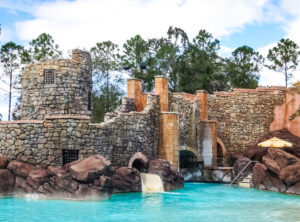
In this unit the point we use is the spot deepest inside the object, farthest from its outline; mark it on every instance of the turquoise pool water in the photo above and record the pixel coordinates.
(196, 202)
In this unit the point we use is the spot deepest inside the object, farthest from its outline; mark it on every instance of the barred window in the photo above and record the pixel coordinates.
(49, 76)
(69, 156)
(89, 101)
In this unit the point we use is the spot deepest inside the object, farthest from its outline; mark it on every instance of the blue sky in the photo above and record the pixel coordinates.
(82, 23)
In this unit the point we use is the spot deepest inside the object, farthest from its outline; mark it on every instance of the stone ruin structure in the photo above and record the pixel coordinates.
(56, 125)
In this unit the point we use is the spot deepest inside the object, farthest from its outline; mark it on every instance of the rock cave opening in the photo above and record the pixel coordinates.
(139, 165)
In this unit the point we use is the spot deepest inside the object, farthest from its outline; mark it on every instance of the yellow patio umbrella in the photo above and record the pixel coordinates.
(275, 143)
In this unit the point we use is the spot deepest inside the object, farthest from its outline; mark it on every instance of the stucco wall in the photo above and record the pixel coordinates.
(287, 115)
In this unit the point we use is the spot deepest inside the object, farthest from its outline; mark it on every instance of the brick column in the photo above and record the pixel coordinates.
(202, 96)
(134, 91)
(169, 137)
(162, 89)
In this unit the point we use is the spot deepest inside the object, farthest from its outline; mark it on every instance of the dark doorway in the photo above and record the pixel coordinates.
(187, 159)
(220, 156)
(139, 165)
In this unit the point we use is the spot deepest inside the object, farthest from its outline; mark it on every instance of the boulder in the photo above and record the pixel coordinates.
(282, 158)
(3, 162)
(290, 174)
(59, 172)
(64, 183)
(295, 189)
(170, 176)
(255, 153)
(264, 179)
(271, 165)
(22, 186)
(87, 192)
(126, 180)
(272, 182)
(104, 183)
(7, 181)
(19, 168)
(89, 169)
(258, 175)
(239, 166)
(37, 177)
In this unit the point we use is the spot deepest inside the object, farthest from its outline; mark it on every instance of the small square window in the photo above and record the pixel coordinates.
(70, 156)
(49, 76)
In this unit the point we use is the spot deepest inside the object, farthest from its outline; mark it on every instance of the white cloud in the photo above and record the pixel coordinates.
(82, 23)
(6, 34)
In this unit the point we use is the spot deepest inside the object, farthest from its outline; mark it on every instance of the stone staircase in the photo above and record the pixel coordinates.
(245, 183)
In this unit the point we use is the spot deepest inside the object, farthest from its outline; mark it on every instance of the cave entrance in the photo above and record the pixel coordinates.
(139, 165)
(187, 159)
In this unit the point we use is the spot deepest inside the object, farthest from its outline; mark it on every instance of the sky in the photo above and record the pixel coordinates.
(259, 24)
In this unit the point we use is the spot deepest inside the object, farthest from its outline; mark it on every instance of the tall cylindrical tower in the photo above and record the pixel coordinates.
(57, 87)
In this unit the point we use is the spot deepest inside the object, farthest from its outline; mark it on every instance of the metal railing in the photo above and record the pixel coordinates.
(251, 161)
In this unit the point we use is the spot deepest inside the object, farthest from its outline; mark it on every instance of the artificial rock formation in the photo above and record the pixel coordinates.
(90, 178)
(83, 179)
(126, 180)
(171, 178)
(278, 171)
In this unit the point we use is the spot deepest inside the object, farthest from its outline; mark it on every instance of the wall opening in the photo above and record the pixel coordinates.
(187, 159)
(69, 156)
(221, 153)
(138, 161)
(49, 76)
(139, 165)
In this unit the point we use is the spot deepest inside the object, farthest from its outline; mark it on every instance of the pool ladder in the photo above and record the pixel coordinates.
(246, 181)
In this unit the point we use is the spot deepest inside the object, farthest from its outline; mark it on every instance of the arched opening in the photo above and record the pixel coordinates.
(139, 162)
(221, 153)
(139, 165)
(187, 159)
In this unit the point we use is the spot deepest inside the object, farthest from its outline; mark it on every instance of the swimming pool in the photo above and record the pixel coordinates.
(196, 202)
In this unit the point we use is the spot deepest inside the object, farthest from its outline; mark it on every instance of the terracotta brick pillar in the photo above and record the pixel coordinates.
(209, 143)
(169, 137)
(162, 89)
(134, 90)
(202, 96)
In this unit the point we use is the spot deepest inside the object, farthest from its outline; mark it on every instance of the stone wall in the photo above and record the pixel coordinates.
(244, 116)
(68, 95)
(188, 108)
(42, 141)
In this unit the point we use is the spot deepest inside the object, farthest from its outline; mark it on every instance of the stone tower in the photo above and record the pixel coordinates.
(57, 87)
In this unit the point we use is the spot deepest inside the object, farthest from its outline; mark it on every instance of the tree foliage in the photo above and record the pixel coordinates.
(12, 56)
(43, 47)
(284, 58)
(107, 91)
(138, 61)
(200, 65)
(243, 68)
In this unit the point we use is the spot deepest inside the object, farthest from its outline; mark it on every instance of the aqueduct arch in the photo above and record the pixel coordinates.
(221, 149)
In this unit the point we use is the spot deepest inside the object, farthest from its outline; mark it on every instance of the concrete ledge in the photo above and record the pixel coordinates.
(169, 113)
(161, 77)
(22, 122)
(134, 79)
(68, 117)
